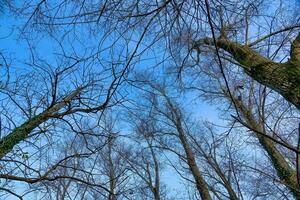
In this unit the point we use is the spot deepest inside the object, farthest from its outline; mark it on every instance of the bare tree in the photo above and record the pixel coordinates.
(66, 65)
(173, 115)
(147, 162)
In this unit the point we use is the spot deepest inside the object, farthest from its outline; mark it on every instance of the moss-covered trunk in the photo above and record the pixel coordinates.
(22, 132)
(285, 172)
(281, 77)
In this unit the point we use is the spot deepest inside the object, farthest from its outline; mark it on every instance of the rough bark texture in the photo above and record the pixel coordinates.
(284, 171)
(295, 51)
(201, 185)
(281, 77)
(200, 182)
(21, 133)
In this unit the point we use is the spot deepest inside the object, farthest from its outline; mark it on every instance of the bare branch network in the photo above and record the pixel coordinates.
(140, 100)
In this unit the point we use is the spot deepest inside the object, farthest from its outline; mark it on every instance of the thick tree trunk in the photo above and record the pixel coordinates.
(21, 133)
(281, 77)
(284, 171)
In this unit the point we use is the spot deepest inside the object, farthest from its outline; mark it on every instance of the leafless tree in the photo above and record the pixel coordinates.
(67, 65)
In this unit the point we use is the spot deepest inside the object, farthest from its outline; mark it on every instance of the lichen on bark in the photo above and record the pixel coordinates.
(284, 78)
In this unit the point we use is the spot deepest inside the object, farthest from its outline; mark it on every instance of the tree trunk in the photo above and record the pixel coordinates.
(21, 133)
(201, 185)
(156, 188)
(284, 78)
(284, 171)
(227, 184)
(200, 182)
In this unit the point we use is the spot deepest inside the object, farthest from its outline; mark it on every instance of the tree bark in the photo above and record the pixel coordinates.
(21, 133)
(201, 184)
(227, 184)
(284, 78)
(156, 188)
(284, 171)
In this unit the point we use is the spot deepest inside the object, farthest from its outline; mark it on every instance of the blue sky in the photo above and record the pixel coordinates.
(17, 49)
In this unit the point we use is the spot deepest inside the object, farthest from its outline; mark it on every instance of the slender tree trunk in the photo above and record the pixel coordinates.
(156, 189)
(227, 184)
(200, 182)
(201, 185)
(112, 178)
(215, 165)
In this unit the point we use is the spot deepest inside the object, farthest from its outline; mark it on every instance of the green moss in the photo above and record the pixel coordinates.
(20, 133)
(284, 171)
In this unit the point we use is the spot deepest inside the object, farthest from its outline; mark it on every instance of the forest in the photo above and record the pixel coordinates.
(150, 99)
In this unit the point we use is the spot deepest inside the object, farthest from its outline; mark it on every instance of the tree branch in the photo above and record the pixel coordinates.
(281, 77)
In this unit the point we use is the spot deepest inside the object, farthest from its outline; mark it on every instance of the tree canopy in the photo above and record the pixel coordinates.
(165, 99)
